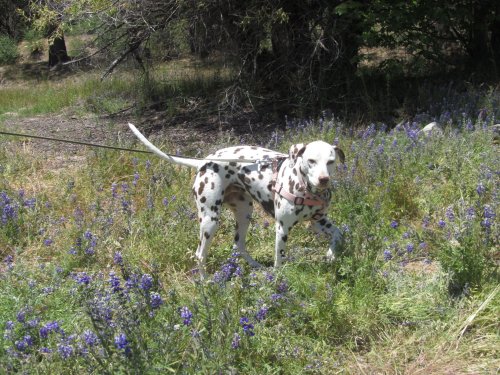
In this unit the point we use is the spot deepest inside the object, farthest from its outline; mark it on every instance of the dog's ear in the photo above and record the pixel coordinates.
(296, 151)
(340, 154)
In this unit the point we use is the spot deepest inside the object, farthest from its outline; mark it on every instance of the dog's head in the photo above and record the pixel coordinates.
(316, 163)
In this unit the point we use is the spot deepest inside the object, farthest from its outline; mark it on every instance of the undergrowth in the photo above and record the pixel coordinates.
(98, 274)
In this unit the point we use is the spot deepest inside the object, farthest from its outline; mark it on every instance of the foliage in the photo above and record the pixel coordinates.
(8, 50)
(97, 269)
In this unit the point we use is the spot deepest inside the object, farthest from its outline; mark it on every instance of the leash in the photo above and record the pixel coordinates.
(252, 161)
(308, 200)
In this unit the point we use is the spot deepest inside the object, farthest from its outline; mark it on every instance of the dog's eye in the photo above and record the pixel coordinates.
(330, 162)
(311, 161)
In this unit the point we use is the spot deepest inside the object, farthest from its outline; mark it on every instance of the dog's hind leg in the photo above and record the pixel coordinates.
(242, 206)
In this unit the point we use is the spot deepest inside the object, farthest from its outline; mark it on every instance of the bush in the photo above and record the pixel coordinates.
(8, 50)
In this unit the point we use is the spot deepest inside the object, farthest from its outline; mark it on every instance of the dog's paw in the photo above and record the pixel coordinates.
(330, 256)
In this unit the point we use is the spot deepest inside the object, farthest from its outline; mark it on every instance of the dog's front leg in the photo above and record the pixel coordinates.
(325, 226)
(280, 245)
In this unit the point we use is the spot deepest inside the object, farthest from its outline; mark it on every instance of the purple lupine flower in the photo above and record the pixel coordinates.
(262, 313)
(114, 282)
(9, 262)
(65, 350)
(155, 300)
(186, 315)
(114, 190)
(121, 343)
(480, 189)
(276, 297)
(247, 326)
(235, 344)
(410, 247)
(136, 178)
(21, 316)
(165, 201)
(148, 164)
(450, 215)
(488, 212)
(441, 223)
(387, 255)
(394, 224)
(83, 278)
(117, 258)
(90, 338)
(146, 282)
(47, 242)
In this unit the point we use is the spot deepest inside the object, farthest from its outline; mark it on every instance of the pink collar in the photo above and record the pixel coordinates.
(307, 199)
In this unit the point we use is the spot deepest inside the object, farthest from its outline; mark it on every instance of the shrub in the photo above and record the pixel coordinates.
(8, 50)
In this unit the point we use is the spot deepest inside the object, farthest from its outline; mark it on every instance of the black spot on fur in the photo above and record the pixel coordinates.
(284, 238)
(201, 187)
(207, 235)
(203, 199)
(237, 237)
(216, 168)
(268, 206)
(322, 221)
(233, 164)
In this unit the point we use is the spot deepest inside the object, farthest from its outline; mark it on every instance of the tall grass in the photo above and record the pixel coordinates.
(98, 274)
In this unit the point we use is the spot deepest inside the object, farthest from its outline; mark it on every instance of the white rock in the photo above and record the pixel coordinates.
(432, 128)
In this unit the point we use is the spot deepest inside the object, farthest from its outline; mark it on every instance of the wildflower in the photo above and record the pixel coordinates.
(165, 201)
(480, 189)
(387, 255)
(90, 338)
(282, 287)
(47, 242)
(9, 325)
(262, 313)
(21, 345)
(146, 282)
(488, 212)
(114, 282)
(186, 315)
(235, 344)
(155, 300)
(441, 223)
(450, 215)
(121, 342)
(83, 278)
(148, 164)
(65, 350)
(247, 326)
(136, 178)
(410, 247)
(21, 316)
(9, 261)
(470, 213)
(276, 297)
(394, 224)
(117, 258)
(114, 188)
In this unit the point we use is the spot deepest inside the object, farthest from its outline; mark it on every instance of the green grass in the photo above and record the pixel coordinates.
(417, 296)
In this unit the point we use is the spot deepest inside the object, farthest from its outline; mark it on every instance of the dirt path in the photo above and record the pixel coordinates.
(93, 129)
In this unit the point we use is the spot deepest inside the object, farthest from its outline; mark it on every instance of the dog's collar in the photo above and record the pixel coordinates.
(308, 199)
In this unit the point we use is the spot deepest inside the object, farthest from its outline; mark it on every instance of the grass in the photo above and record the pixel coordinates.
(96, 272)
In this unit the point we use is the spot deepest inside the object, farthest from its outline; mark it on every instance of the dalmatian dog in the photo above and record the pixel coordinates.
(291, 188)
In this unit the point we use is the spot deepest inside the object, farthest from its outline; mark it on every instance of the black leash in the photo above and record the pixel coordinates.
(117, 148)
(74, 142)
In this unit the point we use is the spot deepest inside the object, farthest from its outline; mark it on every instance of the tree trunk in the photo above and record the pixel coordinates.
(57, 47)
(481, 56)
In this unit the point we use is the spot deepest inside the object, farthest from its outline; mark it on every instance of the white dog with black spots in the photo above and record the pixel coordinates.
(291, 188)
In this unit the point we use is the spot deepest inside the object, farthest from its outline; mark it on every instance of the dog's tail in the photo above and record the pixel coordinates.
(195, 163)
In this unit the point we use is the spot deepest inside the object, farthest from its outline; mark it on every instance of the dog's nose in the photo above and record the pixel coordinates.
(324, 180)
